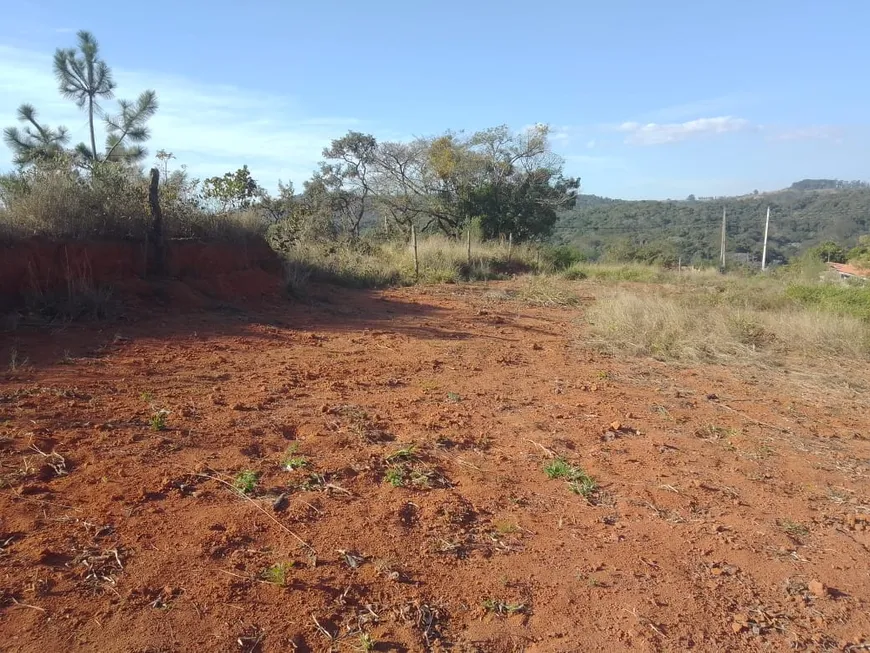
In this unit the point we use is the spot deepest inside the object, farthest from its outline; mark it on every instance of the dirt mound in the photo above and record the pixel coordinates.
(39, 271)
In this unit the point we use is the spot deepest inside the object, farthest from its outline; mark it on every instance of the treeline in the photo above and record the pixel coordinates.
(833, 252)
(827, 184)
(665, 231)
(495, 182)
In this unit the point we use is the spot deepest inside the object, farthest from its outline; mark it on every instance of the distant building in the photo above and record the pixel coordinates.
(846, 271)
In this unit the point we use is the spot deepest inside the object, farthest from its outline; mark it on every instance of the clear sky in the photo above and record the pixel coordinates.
(645, 99)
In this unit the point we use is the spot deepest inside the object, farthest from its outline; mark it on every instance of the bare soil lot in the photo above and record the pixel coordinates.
(441, 468)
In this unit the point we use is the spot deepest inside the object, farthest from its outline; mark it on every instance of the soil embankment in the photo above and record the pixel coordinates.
(37, 270)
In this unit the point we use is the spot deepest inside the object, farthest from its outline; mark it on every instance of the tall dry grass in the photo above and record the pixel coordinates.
(366, 264)
(59, 204)
(62, 203)
(689, 328)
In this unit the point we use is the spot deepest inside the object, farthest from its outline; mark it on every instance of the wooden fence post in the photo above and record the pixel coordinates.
(469, 248)
(158, 261)
(510, 245)
(416, 261)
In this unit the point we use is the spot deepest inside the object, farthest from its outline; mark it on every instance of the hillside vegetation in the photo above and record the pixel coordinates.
(801, 216)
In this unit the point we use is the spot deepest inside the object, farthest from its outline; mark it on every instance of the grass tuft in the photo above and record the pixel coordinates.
(158, 420)
(793, 529)
(403, 454)
(502, 608)
(291, 461)
(579, 482)
(277, 573)
(246, 481)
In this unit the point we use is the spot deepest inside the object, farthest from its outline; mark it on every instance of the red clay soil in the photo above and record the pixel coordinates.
(39, 267)
(729, 515)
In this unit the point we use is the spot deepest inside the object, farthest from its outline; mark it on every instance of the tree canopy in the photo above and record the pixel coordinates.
(233, 191)
(509, 183)
(86, 79)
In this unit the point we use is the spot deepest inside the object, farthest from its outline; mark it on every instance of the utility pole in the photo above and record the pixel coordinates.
(722, 250)
(764, 249)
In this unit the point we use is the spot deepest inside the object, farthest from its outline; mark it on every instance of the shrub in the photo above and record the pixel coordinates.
(57, 200)
(576, 273)
(246, 481)
(838, 299)
(555, 259)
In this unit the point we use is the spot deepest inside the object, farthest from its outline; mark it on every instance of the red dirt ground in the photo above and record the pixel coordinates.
(732, 514)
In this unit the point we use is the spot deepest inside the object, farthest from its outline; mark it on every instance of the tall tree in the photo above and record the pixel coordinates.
(525, 206)
(346, 175)
(860, 255)
(85, 78)
(829, 252)
(522, 186)
(512, 183)
(399, 193)
(34, 142)
(234, 191)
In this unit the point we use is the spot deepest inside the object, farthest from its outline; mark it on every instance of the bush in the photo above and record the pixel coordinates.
(556, 259)
(576, 273)
(838, 299)
(57, 200)
(828, 251)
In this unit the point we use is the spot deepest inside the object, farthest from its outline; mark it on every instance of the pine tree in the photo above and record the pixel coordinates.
(85, 78)
(35, 141)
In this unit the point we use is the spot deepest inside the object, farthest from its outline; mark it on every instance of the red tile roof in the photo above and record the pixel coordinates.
(844, 268)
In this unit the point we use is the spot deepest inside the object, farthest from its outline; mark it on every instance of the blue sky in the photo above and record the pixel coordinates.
(645, 99)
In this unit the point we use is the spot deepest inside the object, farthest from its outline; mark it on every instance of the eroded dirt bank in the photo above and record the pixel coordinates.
(39, 271)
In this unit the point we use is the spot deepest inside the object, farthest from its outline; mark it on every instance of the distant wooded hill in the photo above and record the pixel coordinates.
(807, 213)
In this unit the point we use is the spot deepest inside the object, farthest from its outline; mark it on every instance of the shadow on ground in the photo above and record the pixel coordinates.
(327, 310)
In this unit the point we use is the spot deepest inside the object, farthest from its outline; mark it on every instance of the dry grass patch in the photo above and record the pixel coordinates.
(371, 264)
(685, 328)
(545, 290)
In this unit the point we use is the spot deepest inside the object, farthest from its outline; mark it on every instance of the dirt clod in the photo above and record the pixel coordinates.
(817, 588)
